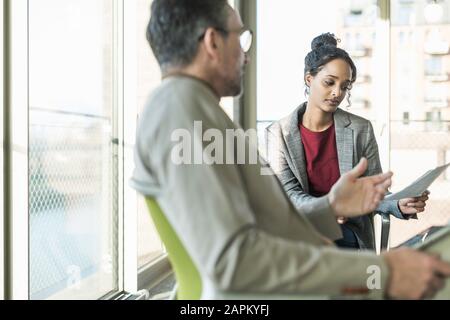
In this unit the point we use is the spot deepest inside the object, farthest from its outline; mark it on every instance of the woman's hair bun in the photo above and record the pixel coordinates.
(325, 39)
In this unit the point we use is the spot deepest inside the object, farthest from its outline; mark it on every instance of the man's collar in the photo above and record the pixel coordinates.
(185, 75)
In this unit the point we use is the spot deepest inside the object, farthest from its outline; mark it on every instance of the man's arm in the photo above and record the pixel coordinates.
(209, 208)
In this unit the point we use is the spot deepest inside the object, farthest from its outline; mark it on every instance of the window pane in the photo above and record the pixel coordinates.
(2, 216)
(150, 246)
(285, 31)
(228, 103)
(72, 171)
(420, 89)
(148, 78)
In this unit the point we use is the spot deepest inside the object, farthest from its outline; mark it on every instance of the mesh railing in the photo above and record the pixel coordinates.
(70, 201)
(416, 147)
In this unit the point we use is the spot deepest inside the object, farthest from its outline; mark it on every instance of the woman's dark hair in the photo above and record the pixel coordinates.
(323, 50)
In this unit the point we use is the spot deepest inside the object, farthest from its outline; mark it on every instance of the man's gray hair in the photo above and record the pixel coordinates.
(176, 27)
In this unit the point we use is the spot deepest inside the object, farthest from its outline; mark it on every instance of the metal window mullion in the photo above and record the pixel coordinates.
(383, 81)
(382, 85)
(16, 151)
(118, 50)
(2, 215)
(130, 199)
(245, 106)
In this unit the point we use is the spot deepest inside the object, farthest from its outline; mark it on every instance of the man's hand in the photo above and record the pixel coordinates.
(410, 206)
(352, 196)
(341, 220)
(414, 275)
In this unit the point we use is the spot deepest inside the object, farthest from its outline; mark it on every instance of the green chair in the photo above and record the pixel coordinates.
(189, 283)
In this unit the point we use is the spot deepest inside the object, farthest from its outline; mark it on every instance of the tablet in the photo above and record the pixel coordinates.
(439, 243)
(421, 237)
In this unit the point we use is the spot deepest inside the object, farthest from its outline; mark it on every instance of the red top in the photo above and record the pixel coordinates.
(322, 164)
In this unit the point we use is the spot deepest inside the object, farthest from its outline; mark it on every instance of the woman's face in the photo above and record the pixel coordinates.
(329, 87)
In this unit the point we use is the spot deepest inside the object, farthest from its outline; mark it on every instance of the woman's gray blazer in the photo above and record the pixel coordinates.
(354, 139)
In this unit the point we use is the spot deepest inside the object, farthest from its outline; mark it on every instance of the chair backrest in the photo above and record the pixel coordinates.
(188, 278)
(385, 228)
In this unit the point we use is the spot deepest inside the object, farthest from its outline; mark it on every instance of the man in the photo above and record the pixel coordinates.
(240, 229)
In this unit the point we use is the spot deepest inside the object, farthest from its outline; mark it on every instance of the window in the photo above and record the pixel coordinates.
(148, 78)
(73, 185)
(405, 118)
(405, 14)
(83, 233)
(433, 66)
(2, 216)
(402, 87)
(421, 82)
(285, 31)
(228, 103)
(436, 95)
(359, 13)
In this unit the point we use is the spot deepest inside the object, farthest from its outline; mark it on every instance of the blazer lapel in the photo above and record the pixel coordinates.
(295, 146)
(344, 141)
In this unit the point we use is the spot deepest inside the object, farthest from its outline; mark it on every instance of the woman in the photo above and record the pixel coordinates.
(311, 148)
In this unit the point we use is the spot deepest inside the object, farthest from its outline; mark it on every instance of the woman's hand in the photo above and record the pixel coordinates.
(411, 206)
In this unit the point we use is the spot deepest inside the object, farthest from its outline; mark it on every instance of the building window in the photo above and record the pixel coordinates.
(72, 169)
(405, 118)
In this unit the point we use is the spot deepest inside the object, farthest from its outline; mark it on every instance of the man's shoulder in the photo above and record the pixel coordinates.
(177, 103)
(172, 93)
(181, 93)
(173, 99)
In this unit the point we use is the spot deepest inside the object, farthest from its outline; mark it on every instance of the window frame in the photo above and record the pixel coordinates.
(2, 215)
(245, 106)
(16, 180)
(130, 246)
(135, 277)
(16, 275)
(16, 151)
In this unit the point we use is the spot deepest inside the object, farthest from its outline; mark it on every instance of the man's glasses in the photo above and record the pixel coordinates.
(245, 38)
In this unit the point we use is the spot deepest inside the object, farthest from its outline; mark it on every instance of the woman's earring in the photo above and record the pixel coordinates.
(349, 102)
(307, 91)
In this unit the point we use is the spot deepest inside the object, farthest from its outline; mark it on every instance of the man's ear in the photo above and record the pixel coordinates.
(210, 41)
